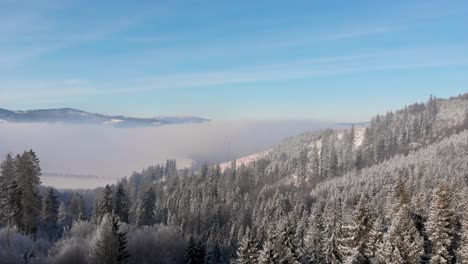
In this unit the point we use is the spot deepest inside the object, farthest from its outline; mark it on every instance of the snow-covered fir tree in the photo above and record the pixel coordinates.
(146, 209)
(109, 245)
(247, 250)
(440, 225)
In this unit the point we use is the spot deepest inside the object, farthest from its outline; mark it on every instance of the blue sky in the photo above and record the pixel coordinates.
(329, 60)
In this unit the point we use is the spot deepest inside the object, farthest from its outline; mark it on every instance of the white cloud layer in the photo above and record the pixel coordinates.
(75, 156)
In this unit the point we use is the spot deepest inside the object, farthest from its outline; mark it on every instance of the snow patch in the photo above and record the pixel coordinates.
(245, 160)
(112, 121)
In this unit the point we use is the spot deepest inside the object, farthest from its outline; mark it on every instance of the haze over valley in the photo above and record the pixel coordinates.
(88, 156)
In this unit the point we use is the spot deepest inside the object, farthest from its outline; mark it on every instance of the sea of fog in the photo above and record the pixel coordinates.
(88, 156)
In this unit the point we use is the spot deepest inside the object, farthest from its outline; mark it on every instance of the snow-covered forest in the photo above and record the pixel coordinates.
(393, 191)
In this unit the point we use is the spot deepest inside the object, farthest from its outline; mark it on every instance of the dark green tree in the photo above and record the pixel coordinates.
(121, 207)
(146, 209)
(50, 213)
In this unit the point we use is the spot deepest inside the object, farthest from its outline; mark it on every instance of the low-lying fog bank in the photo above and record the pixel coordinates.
(83, 156)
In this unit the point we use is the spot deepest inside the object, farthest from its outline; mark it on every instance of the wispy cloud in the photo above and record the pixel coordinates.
(409, 59)
(28, 31)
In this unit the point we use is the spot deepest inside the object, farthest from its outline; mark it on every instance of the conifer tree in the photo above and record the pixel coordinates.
(123, 255)
(314, 240)
(214, 256)
(195, 253)
(462, 252)
(11, 208)
(28, 173)
(64, 220)
(333, 231)
(15, 205)
(290, 253)
(121, 208)
(50, 213)
(76, 207)
(146, 209)
(360, 234)
(314, 165)
(106, 205)
(268, 254)
(402, 243)
(109, 244)
(375, 237)
(440, 225)
(247, 251)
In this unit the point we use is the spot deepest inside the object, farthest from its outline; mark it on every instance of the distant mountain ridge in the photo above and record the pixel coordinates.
(75, 116)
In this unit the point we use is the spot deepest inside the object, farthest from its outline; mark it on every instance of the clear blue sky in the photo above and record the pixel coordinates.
(332, 60)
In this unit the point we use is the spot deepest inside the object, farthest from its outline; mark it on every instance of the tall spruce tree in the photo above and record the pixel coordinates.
(76, 208)
(314, 240)
(247, 251)
(268, 254)
(360, 234)
(195, 252)
(106, 244)
(146, 214)
(50, 214)
(402, 243)
(28, 176)
(122, 255)
(289, 251)
(462, 252)
(11, 207)
(333, 230)
(121, 207)
(106, 205)
(440, 225)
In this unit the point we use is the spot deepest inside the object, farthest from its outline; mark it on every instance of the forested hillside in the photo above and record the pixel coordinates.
(394, 191)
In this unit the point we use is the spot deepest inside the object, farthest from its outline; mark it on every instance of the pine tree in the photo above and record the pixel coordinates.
(440, 225)
(64, 220)
(303, 161)
(333, 231)
(109, 244)
(359, 234)
(121, 208)
(5, 172)
(375, 237)
(106, 205)
(402, 243)
(195, 253)
(314, 240)
(286, 241)
(349, 149)
(191, 252)
(314, 165)
(11, 207)
(268, 254)
(123, 255)
(28, 173)
(146, 209)
(76, 207)
(50, 213)
(214, 256)
(462, 253)
(15, 205)
(247, 251)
